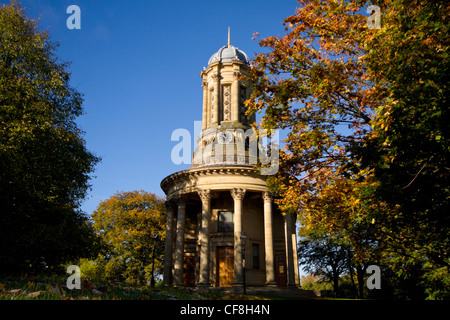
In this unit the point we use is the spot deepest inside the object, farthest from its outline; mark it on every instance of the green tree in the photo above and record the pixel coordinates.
(132, 225)
(368, 105)
(323, 256)
(409, 147)
(45, 166)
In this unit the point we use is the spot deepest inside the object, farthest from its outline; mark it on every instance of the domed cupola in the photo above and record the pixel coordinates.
(229, 53)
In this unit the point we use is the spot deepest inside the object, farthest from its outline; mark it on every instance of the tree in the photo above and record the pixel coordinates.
(344, 209)
(132, 225)
(369, 105)
(323, 256)
(409, 147)
(312, 282)
(313, 83)
(45, 166)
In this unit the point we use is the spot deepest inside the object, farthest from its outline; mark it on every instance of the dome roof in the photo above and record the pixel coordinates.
(229, 53)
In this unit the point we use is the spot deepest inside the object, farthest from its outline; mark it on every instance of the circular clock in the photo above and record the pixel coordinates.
(225, 137)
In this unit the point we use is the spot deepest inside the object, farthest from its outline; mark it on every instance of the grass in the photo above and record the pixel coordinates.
(54, 288)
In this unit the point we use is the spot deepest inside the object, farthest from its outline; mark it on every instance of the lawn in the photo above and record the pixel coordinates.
(51, 288)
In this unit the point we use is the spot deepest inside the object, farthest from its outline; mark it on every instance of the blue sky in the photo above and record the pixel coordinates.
(138, 64)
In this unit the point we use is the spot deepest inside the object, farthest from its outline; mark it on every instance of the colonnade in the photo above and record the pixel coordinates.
(174, 250)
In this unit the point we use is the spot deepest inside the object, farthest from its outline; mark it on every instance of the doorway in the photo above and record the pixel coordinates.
(189, 271)
(225, 266)
(280, 270)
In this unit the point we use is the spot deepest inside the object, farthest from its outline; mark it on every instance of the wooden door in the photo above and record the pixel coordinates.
(280, 270)
(189, 271)
(225, 266)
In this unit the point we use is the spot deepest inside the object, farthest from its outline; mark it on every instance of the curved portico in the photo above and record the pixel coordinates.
(198, 200)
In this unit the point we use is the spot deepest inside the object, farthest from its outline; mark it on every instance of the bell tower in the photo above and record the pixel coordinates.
(223, 91)
(224, 94)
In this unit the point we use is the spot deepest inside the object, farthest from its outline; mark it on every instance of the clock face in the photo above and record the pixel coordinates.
(225, 137)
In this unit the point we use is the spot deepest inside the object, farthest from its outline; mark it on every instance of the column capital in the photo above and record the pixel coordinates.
(216, 77)
(267, 196)
(205, 194)
(180, 200)
(238, 193)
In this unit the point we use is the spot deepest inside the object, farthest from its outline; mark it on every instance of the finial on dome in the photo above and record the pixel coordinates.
(229, 53)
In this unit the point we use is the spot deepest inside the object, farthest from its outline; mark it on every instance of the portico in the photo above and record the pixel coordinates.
(208, 211)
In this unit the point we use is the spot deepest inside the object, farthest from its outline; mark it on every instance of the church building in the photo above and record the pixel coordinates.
(223, 227)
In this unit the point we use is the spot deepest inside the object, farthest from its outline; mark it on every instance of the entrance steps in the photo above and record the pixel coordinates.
(292, 292)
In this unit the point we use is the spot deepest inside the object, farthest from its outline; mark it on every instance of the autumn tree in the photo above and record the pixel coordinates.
(341, 214)
(313, 83)
(366, 107)
(44, 164)
(132, 226)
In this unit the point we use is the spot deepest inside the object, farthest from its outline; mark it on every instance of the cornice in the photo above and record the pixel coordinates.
(209, 170)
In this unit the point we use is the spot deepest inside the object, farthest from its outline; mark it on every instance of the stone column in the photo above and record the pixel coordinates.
(204, 279)
(216, 118)
(238, 196)
(235, 100)
(168, 249)
(179, 242)
(294, 250)
(289, 250)
(268, 239)
(205, 105)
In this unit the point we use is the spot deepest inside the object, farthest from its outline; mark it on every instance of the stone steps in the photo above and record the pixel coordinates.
(269, 291)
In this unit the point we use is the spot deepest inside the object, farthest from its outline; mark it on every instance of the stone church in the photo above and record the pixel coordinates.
(221, 219)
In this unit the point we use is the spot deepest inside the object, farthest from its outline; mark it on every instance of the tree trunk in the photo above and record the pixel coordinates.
(336, 285)
(360, 277)
(350, 268)
(152, 281)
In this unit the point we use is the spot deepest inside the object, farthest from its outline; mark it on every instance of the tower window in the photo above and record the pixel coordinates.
(255, 255)
(226, 221)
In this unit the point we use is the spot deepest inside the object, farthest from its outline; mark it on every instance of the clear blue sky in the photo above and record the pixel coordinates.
(138, 64)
